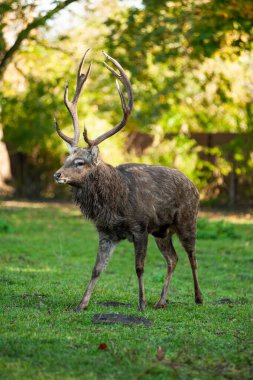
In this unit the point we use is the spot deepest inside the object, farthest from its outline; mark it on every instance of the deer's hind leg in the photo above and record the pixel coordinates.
(168, 251)
(140, 246)
(187, 236)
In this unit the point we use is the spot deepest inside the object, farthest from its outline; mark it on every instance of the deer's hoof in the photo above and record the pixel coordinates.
(80, 307)
(142, 305)
(161, 305)
(199, 300)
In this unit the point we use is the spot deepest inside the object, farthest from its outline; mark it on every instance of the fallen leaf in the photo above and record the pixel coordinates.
(102, 346)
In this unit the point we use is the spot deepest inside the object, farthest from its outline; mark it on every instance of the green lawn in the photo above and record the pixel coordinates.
(46, 257)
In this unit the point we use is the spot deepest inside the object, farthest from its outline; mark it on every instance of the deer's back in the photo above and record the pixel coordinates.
(158, 183)
(160, 197)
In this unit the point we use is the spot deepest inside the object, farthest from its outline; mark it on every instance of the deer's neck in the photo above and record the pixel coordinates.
(102, 196)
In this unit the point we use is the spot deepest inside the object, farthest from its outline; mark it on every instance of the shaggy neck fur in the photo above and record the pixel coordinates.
(102, 196)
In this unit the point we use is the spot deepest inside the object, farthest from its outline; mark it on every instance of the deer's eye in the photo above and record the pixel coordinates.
(79, 163)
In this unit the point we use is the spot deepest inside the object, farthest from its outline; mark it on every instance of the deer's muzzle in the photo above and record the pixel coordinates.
(58, 179)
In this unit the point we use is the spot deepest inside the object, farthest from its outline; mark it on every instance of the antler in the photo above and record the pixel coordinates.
(127, 108)
(72, 106)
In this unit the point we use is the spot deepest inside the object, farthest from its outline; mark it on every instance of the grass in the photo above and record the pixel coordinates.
(46, 257)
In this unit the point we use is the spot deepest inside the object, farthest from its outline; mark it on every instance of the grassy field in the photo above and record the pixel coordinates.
(46, 257)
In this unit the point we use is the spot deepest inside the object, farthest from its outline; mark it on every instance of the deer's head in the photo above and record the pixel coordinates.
(82, 160)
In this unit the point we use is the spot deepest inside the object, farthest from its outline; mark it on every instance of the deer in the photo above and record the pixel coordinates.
(130, 201)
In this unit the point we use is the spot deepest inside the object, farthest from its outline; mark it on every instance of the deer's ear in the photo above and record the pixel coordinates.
(70, 149)
(94, 153)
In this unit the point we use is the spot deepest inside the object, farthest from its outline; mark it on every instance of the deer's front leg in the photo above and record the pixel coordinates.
(105, 250)
(140, 246)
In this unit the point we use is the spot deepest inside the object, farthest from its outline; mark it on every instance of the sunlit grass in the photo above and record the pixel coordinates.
(46, 257)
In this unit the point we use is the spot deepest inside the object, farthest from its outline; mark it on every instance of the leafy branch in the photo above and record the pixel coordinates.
(24, 34)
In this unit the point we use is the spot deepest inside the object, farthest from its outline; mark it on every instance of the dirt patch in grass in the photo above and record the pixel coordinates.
(120, 318)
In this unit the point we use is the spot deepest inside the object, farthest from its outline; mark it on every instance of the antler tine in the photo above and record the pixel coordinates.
(127, 108)
(72, 106)
(61, 134)
(81, 78)
(123, 102)
(122, 77)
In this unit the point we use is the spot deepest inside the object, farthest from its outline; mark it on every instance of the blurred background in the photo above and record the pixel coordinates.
(191, 68)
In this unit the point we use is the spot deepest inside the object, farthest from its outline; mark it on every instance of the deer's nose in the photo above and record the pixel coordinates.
(57, 175)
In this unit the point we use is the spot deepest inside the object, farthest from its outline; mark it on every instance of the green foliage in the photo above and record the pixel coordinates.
(20, 19)
(29, 132)
(190, 64)
(44, 267)
(30, 101)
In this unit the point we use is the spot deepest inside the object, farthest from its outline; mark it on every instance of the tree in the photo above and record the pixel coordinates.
(189, 62)
(33, 92)
(25, 17)
(21, 12)
(184, 56)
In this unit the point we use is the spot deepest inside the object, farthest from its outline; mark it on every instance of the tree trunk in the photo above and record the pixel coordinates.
(5, 167)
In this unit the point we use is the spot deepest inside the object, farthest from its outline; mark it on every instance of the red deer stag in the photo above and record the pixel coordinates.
(129, 201)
